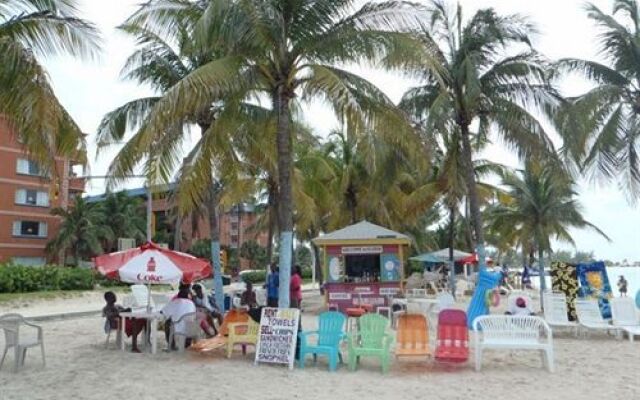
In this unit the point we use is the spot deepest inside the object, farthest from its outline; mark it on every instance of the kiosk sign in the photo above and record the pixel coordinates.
(277, 336)
(362, 250)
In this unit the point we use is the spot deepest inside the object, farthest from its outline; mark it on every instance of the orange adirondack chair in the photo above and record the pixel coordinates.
(412, 338)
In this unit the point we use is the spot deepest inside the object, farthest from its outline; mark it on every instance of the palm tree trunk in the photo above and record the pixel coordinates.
(285, 192)
(352, 203)
(270, 238)
(177, 232)
(272, 187)
(543, 283)
(76, 255)
(214, 234)
(318, 266)
(452, 235)
(472, 195)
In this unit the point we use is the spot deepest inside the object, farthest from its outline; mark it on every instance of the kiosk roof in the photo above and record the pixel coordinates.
(362, 231)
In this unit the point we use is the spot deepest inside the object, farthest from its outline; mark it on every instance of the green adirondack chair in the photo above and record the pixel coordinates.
(371, 340)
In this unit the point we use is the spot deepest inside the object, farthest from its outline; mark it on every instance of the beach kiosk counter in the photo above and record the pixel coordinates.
(362, 262)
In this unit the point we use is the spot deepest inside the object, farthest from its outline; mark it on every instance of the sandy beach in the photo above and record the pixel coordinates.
(80, 367)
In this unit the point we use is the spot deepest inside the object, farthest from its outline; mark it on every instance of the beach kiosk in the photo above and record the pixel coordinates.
(362, 263)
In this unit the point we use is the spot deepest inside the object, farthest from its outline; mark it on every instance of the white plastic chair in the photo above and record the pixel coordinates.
(185, 327)
(513, 332)
(10, 324)
(118, 332)
(141, 296)
(625, 316)
(556, 312)
(589, 317)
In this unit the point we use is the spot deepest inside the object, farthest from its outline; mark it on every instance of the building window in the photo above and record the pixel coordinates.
(30, 197)
(234, 239)
(234, 226)
(29, 261)
(28, 167)
(30, 229)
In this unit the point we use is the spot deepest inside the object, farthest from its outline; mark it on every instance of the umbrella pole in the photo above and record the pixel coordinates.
(147, 336)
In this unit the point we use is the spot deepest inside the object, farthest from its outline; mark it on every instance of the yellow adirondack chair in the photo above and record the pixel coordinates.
(243, 333)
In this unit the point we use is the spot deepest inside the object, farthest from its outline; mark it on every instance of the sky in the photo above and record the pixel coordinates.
(91, 89)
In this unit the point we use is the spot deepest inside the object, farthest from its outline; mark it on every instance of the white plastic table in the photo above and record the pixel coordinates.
(152, 317)
(425, 304)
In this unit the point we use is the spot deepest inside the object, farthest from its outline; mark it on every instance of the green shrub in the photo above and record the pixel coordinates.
(254, 276)
(21, 279)
(306, 273)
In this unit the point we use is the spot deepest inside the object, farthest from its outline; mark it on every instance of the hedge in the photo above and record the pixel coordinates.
(261, 276)
(21, 279)
(255, 276)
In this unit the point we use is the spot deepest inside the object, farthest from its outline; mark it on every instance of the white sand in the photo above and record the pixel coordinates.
(79, 367)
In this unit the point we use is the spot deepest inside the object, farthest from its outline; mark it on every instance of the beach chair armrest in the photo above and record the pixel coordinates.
(387, 341)
(306, 334)
(352, 338)
(37, 327)
(233, 326)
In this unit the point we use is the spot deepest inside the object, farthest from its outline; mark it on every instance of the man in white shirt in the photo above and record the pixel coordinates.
(176, 308)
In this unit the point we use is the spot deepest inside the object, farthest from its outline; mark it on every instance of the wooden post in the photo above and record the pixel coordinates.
(325, 273)
(401, 256)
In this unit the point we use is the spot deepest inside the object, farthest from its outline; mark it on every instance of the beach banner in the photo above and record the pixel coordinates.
(478, 305)
(564, 279)
(277, 336)
(594, 284)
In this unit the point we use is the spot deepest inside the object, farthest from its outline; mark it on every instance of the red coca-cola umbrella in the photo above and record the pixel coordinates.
(152, 264)
(473, 259)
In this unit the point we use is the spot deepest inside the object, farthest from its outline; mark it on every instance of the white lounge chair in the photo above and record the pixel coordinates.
(625, 316)
(513, 332)
(556, 312)
(445, 301)
(10, 324)
(420, 293)
(590, 318)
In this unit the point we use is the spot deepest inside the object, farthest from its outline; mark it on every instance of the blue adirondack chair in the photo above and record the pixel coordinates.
(330, 334)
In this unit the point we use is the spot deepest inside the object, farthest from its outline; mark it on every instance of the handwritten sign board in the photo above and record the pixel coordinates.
(277, 336)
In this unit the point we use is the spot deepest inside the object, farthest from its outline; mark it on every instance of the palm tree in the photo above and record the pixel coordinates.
(83, 229)
(378, 179)
(126, 219)
(540, 206)
(482, 84)
(162, 60)
(286, 51)
(600, 127)
(31, 30)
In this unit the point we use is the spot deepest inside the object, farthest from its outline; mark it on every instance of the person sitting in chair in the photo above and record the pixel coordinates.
(176, 309)
(111, 311)
(204, 305)
(248, 297)
(519, 307)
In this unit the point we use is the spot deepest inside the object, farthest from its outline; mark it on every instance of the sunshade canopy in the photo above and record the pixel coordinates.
(151, 264)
